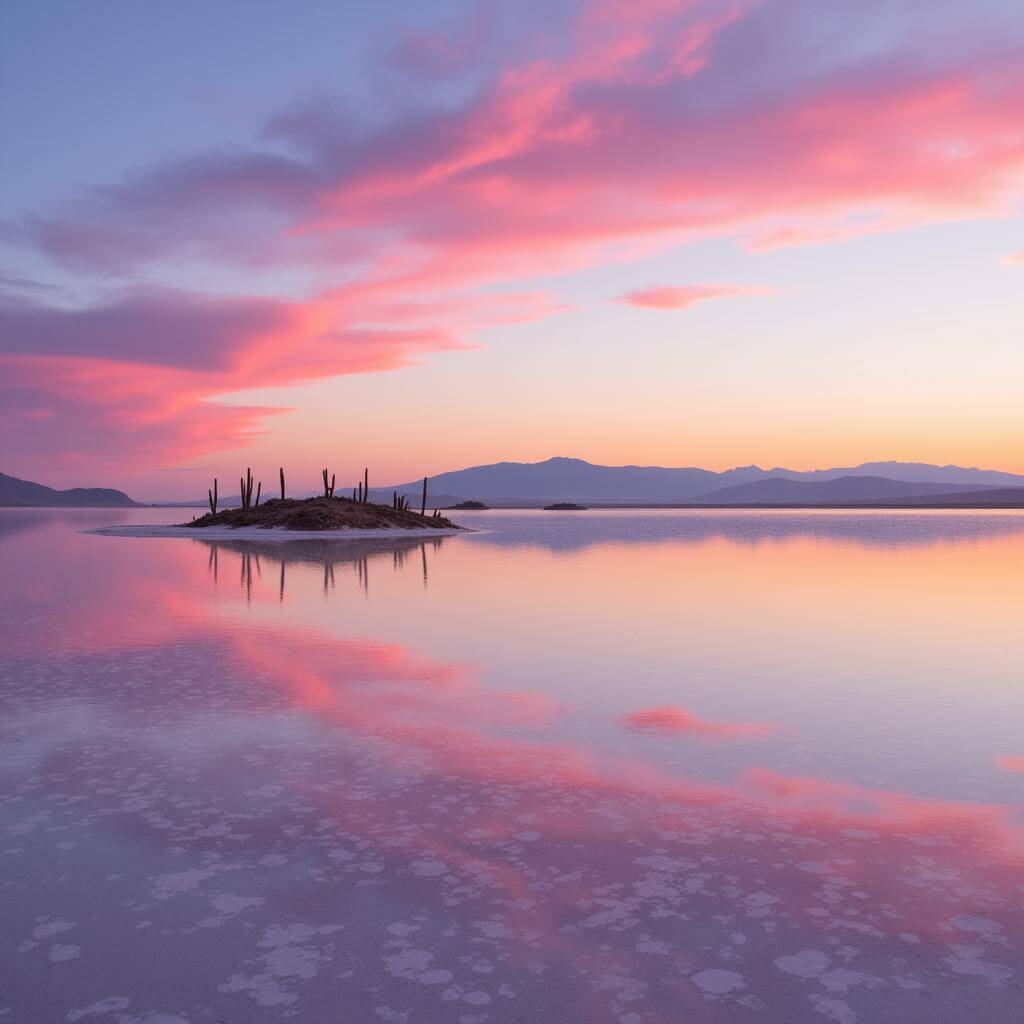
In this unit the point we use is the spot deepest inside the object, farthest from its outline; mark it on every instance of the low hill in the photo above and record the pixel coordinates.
(25, 493)
(777, 490)
(913, 472)
(995, 497)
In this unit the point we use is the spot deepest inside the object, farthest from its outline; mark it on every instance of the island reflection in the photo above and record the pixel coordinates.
(328, 555)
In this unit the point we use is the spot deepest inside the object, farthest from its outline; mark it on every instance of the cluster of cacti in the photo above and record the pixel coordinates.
(360, 493)
(246, 489)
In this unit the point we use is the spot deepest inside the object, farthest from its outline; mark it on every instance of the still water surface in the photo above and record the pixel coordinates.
(597, 767)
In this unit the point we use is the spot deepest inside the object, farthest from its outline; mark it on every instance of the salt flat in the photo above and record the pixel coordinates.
(593, 768)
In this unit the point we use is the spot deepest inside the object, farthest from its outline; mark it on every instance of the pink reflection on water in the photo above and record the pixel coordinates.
(679, 720)
(500, 851)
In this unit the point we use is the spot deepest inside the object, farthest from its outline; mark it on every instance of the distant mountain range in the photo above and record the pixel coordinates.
(563, 479)
(780, 489)
(521, 484)
(24, 493)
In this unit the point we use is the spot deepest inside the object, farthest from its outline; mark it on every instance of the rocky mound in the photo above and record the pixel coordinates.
(323, 514)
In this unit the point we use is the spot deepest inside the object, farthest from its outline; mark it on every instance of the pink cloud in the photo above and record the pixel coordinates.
(1016, 257)
(649, 124)
(140, 377)
(1011, 764)
(679, 720)
(684, 296)
(607, 145)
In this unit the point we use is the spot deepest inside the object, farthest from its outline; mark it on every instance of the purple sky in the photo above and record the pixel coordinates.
(427, 235)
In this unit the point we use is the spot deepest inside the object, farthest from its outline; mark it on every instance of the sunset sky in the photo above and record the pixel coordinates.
(424, 235)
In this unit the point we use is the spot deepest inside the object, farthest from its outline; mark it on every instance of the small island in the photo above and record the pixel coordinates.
(565, 506)
(466, 506)
(322, 513)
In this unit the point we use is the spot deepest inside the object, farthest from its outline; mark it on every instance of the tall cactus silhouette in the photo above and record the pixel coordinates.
(213, 497)
(328, 487)
(282, 483)
(245, 486)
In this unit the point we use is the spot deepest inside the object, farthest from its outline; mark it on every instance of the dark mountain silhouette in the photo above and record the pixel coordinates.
(562, 479)
(526, 484)
(572, 479)
(777, 490)
(25, 493)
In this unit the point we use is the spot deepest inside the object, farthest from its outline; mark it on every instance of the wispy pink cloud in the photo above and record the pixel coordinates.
(1016, 258)
(678, 720)
(140, 377)
(685, 296)
(1011, 764)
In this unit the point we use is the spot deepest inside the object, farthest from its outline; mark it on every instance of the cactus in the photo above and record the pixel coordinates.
(245, 487)
(423, 503)
(282, 483)
(366, 485)
(213, 497)
(353, 494)
(259, 487)
(328, 487)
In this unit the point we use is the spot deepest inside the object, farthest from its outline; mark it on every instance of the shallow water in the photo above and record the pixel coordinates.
(582, 767)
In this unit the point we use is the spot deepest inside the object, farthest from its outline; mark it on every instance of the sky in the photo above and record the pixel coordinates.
(419, 236)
